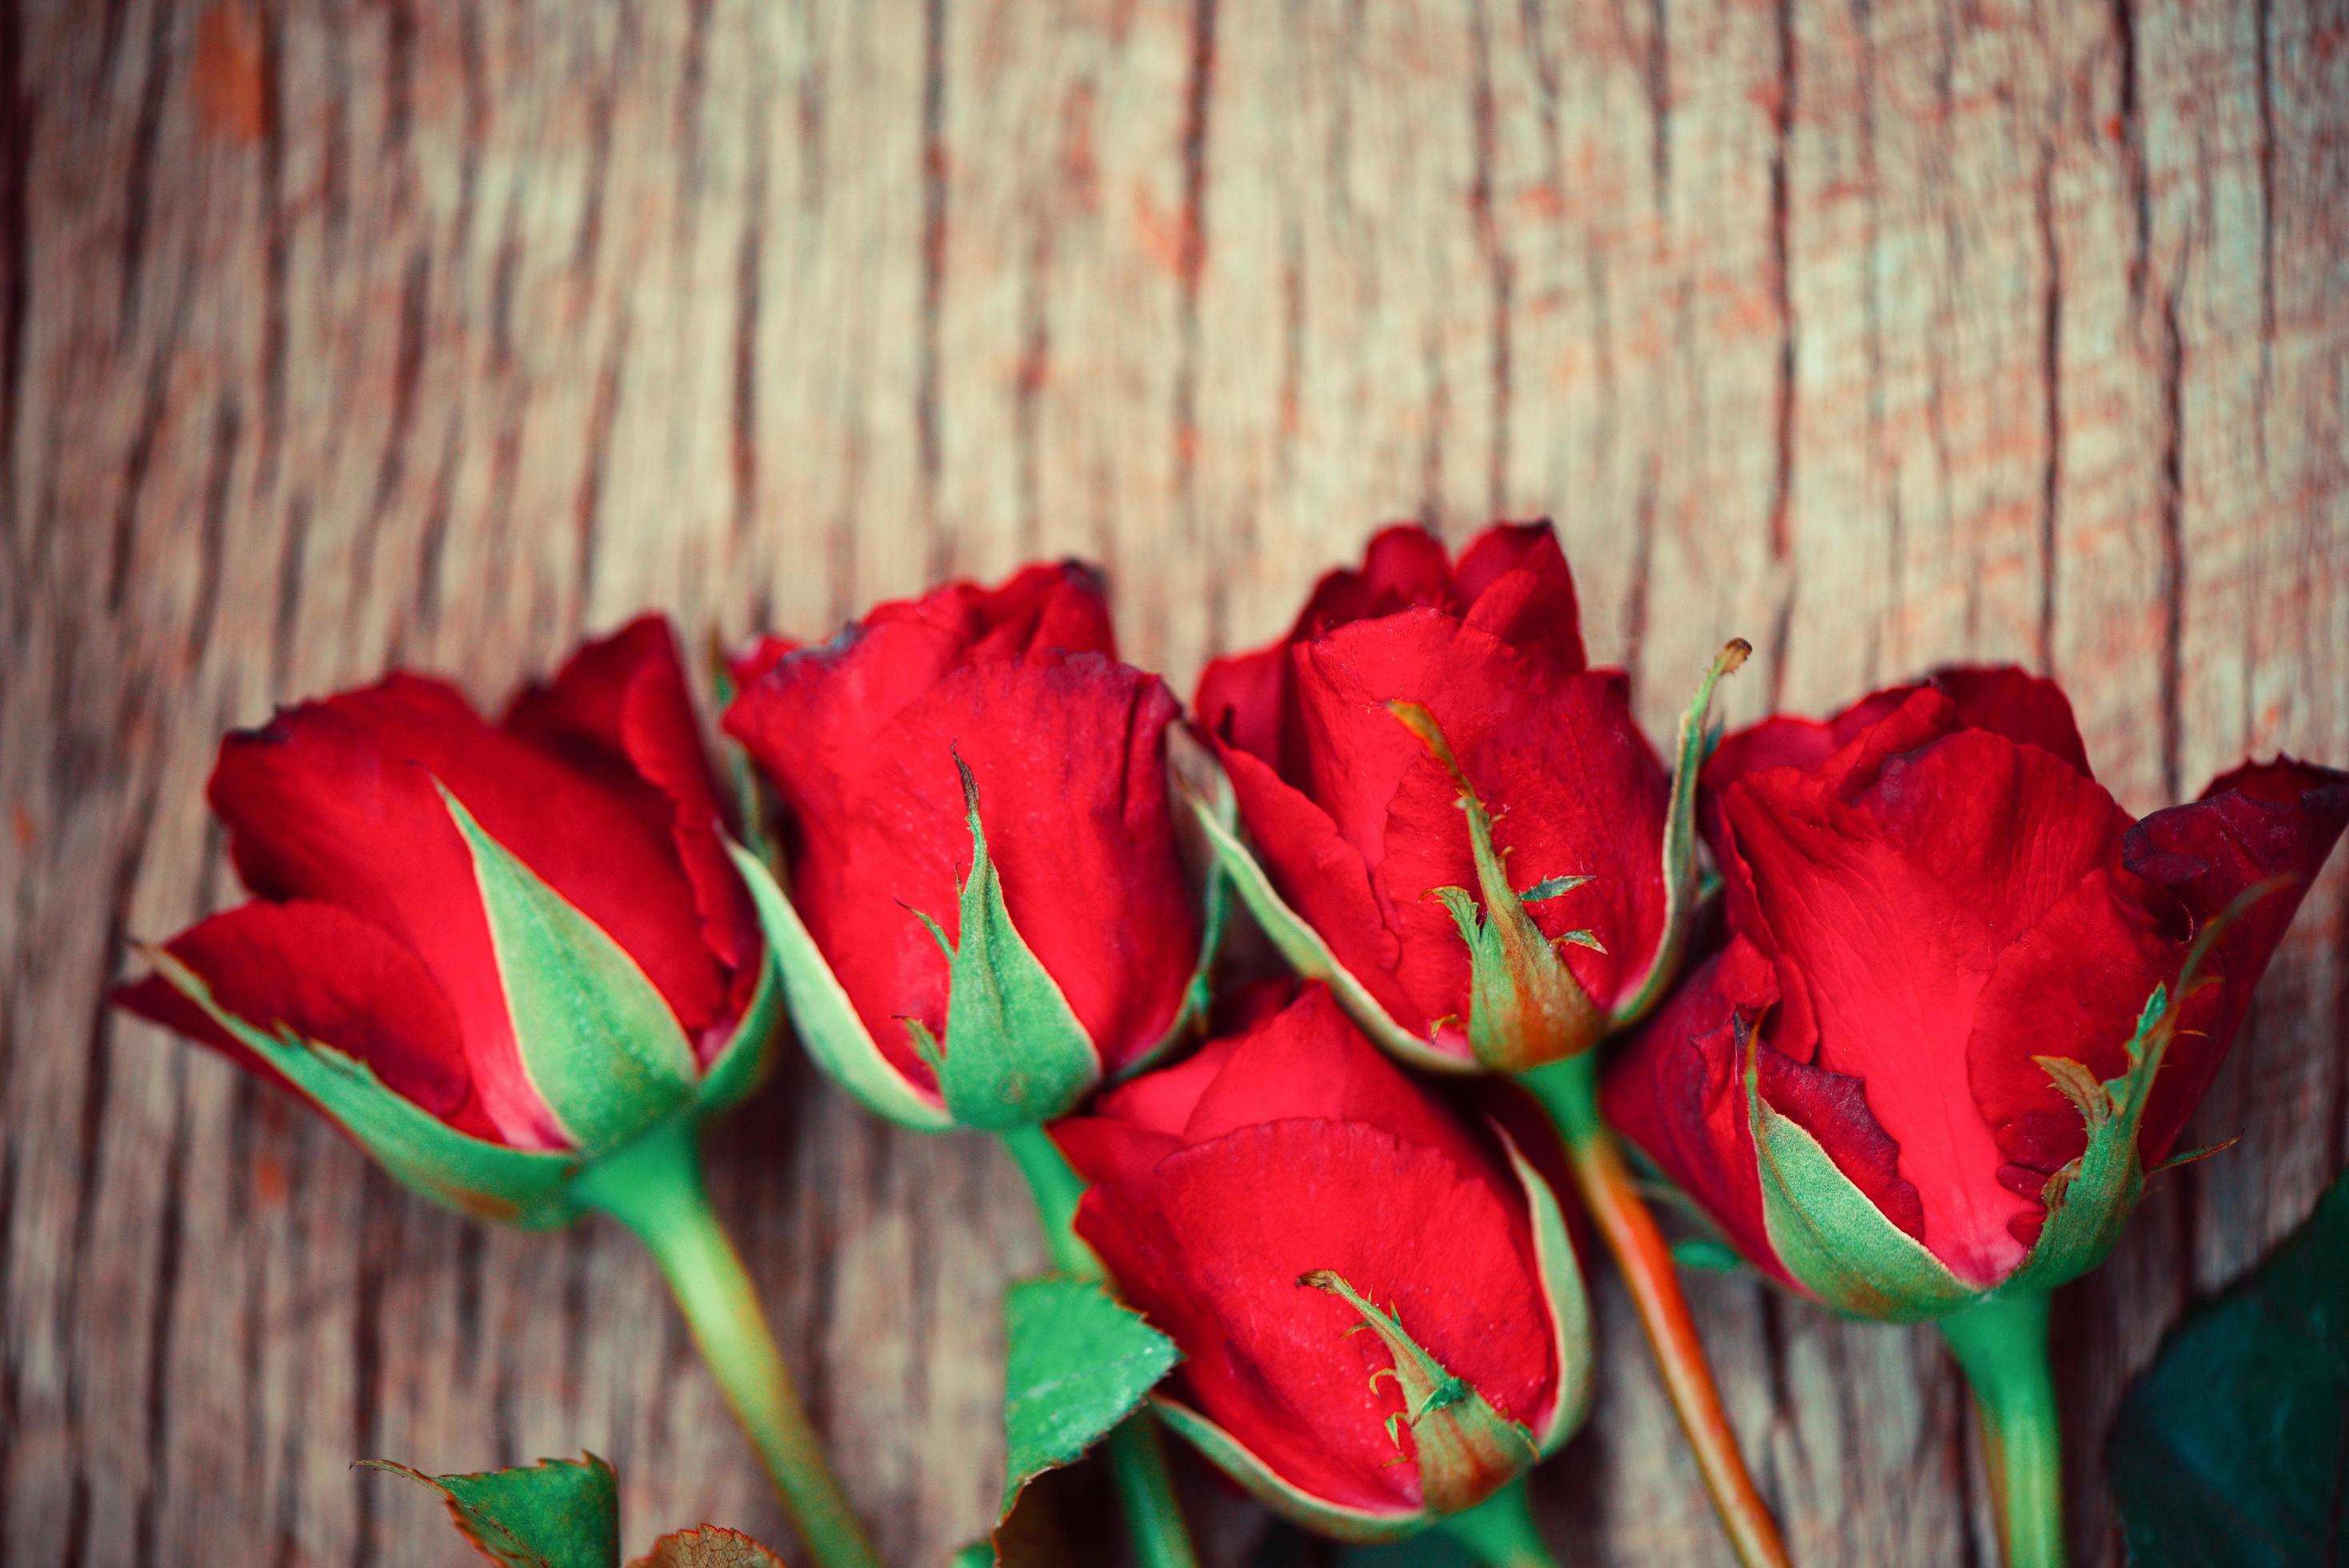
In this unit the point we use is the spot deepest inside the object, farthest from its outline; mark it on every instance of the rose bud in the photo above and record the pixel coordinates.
(1965, 1007)
(514, 962)
(490, 953)
(1381, 1313)
(988, 912)
(1455, 822)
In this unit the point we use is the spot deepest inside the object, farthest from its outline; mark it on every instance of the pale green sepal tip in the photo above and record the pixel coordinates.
(1016, 1053)
(1310, 957)
(1260, 1481)
(488, 1181)
(1835, 1243)
(1564, 1292)
(743, 1061)
(597, 1037)
(1682, 892)
(820, 1009)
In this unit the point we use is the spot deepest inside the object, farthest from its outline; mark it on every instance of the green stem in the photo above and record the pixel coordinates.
(2003, 1345)
(1569, 1090)
(1154, 1518)
(653, 1187)
(1499, 1532)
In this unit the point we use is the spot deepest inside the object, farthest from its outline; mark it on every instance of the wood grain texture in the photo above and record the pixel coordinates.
(1882, 331)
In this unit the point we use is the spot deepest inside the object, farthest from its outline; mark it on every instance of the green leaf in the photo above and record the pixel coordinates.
(2230, 1451)
(1077, 1364)
(488, 1181)
(1466, 1450)
(1683, 894)
(1310, 957)
(597, 1037)
(709, 1546)
(825, 1018)
(1525, 1006)
(1832, 1239)
(556, 1513)
(1016, 1055)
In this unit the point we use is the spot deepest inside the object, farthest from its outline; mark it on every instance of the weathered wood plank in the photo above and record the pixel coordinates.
(331, 334)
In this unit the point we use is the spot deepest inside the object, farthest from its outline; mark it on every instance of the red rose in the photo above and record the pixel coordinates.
(1289, 1185)
(487, 950)
(1406, 691)
(988, 909)
(1959, 964)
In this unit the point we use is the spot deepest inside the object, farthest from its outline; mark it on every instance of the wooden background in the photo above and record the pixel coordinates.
(1881, 331)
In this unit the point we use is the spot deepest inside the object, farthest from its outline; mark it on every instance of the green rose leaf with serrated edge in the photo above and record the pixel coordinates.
(597, 1036)
(556, 1513)
(1015, 1054)
(1076, 1364)
(2230, 1452)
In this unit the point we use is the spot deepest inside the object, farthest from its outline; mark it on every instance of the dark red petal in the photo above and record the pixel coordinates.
(1069, 753)
(335, 800)
(1211, 1247)
(1514, 580)
(329, 976)
(1322, 878)
(2263, 820)
(1676, 1089)
(2015, 703)
(1833, 1110)
(1888, 883)
(620, 711)
(1575, 790)
(1162, 1099)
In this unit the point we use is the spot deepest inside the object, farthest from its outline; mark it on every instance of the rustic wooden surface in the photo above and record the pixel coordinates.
(1883, 333)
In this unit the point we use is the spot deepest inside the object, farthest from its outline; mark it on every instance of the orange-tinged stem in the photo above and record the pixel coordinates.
(1570, 1091)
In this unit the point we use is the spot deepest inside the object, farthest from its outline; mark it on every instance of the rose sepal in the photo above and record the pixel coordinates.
(746, 1059)
(823, 1014)
(1681, 892)
(1015, 1053)
(599, 1043)
(1566, 1295)
(528, 1188)
(1526, 1007)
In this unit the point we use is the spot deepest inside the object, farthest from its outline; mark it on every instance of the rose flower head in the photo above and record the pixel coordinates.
(1381, 1313)
(1966, 1003)
(492, 953)
(988, 911)
(1453, 818)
